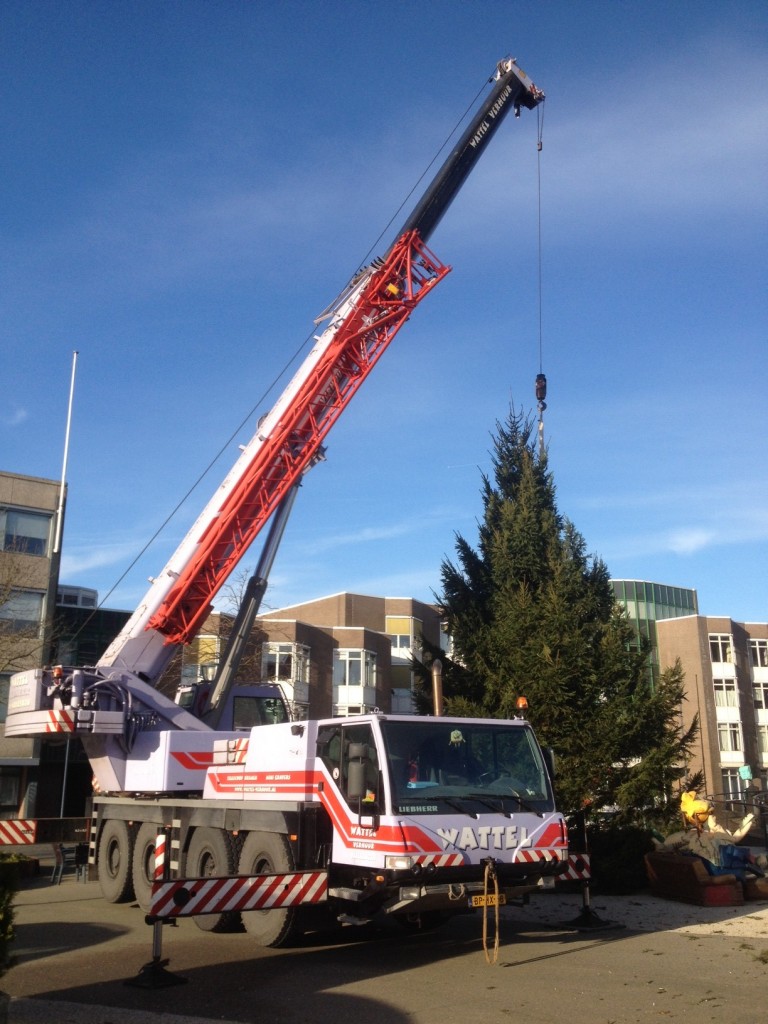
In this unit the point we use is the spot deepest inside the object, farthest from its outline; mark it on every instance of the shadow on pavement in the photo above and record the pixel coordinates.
(247, 983)
(50, 938)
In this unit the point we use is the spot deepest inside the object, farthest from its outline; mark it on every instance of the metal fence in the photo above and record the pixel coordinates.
(730, 811)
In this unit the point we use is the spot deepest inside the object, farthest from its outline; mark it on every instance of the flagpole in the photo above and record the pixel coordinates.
(60, 509)
(57, 540)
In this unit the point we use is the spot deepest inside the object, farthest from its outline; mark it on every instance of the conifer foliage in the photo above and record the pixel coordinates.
(532, 614)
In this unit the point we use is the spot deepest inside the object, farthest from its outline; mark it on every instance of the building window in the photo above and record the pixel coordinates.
(404, 633)
(25, 532)
(23, 610)
(762, 738)
(732, 784)
(10, 788)
(354, 668)
(400, 641)
(760, 691)
(720, 648)
(725, 693)
(758, 652)
(5, 682)
(728, 737)
(285, 663)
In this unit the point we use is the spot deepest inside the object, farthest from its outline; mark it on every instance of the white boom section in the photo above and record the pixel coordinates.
(137, 650)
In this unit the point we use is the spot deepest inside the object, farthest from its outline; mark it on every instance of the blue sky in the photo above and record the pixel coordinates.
(186, 185)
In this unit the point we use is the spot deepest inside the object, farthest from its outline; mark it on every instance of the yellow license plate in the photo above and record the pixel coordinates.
(491, 900)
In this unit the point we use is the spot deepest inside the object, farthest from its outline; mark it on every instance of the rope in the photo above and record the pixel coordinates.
(490, 873)
(541, 380)
(539, 144)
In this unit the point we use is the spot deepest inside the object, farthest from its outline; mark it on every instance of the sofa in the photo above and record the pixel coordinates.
(680, 876)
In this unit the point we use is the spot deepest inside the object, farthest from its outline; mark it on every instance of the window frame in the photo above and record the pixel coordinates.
(20, 543)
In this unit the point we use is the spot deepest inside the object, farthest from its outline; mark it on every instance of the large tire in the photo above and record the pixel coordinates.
(268, 853)
(143, 871)
(211, 854)
(114, 861)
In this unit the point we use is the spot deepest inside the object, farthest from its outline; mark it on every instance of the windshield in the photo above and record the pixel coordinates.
(436, 766)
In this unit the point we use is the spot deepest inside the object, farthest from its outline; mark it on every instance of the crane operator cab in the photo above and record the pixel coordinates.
(246, 705)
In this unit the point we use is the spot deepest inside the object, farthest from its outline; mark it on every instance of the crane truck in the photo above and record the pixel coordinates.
(407, 816)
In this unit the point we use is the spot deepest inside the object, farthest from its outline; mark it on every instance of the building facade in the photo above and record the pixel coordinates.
(726, 680)
(29, 569)
(340, 655)
(646, 604)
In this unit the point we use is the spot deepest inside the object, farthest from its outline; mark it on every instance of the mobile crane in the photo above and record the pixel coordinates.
(402, 815)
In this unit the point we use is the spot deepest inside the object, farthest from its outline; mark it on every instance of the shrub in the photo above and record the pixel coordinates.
(616, 856)
(9, 884)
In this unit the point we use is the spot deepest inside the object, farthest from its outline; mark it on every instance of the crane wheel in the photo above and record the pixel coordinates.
(114, 859)
(143, 871)
(211, 853)
(268, 853)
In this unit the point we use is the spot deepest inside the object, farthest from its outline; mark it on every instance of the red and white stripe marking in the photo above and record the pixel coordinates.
(535, 856)
(61, 720)
(18, 832)
(440, 860)
(187, 897)
(238, 750)
(576, 868)
(160, 854)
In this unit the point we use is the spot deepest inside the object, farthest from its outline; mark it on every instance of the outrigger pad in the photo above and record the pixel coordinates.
(154, 975)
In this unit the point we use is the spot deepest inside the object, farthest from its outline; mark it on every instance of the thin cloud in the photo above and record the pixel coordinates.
(78, 560)
(373, 534)
(689, 541)
(14, 417)
(673, 152)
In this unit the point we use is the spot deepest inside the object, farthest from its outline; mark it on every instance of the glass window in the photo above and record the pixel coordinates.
(5, 682)
(23, 610)
(720, 649)
(762, 738)
(10, 787)
(732, 784)
(434, 765)
(250, 711)
(760, 691)
(354, 668)
(400, 641)
(758, 652)
(278, 662)
(285, 663)
(404, 632)
(728, 736)
(25, 532)
(725, 693)
(333, 748)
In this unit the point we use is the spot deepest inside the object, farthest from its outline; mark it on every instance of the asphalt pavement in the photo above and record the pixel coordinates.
(82, 960)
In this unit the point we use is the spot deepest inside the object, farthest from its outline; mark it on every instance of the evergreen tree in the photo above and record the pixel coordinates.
(532, 615)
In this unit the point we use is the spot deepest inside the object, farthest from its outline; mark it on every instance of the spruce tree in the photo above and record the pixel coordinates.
(532, 615)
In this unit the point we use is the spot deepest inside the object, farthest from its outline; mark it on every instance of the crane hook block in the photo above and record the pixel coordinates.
(541, 387)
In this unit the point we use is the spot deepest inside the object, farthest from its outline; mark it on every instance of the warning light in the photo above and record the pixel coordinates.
(521, 706)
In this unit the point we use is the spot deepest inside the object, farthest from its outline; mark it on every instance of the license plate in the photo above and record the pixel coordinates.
(491, 900)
